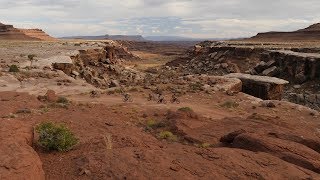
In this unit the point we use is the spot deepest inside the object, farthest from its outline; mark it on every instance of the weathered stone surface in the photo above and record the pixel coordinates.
(268, 88)
(17, 158)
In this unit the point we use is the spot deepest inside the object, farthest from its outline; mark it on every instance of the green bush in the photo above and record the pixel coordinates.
(14, 68)
(168, 135)
(154, 124)
(31, 57)
(185, 109)
(55, 137)
(63, 100)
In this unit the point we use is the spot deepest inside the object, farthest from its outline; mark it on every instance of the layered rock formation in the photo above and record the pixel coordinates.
(310, 33)
(8, 32)
(298, 65)
(294, 66)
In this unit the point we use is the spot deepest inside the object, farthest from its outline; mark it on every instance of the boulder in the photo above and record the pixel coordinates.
(267, 88)
(51, 96)
(260, 67)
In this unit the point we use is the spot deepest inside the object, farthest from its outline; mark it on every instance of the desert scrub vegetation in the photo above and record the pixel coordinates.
(205, 145)
(152, 124)
(194, 87)
(168, 136)
(55, 137)
(14, 68)
(185, 109)
(63, 100)
(230, 104)
(31, 58)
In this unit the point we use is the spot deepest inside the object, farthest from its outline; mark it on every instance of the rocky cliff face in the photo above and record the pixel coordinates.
(8, 32)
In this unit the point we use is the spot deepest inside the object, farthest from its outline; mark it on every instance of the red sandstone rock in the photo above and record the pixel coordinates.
(8, 32)
(51, 96)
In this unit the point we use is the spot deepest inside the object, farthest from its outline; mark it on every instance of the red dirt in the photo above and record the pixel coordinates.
(275, 143)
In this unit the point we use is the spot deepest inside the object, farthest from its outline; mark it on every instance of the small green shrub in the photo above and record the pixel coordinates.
(196, 86)
(31, 57)
(185, 109)
(154, 124)
(63, 100)
(230, 104)
(151, 123)
(55, 137)
(14, 68)
(168, 135)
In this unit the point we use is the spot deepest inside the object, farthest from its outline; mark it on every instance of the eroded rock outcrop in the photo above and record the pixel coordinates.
(101, 66)
(296, 67)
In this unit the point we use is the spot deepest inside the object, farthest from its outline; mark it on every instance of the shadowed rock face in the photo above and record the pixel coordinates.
(8, 32)
(295, 66)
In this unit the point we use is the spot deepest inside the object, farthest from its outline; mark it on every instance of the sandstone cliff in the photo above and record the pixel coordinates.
(8, 32)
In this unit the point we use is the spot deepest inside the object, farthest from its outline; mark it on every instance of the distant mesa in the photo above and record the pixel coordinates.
(311, 33)
(109, 37)
(8, 32)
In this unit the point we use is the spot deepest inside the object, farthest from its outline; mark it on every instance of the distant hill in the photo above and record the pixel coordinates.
(8, 32)
(141, 38)
(310, 33)
(109, 37)
(178, 38)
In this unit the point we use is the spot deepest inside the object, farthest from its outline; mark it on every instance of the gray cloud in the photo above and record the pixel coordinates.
(196, 18)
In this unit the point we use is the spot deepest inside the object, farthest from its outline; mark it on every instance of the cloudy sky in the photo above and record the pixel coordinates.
(191, 18)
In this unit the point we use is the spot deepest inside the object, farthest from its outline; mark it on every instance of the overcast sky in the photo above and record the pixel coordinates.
(191, 18)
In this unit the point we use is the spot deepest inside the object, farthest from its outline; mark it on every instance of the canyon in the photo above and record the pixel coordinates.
(235, 109)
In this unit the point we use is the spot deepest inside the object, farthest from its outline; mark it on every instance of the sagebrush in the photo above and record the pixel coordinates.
(55, 137)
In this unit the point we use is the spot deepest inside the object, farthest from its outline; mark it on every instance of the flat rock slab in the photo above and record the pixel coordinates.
(264, 87)
(298, 54)
(262, 79)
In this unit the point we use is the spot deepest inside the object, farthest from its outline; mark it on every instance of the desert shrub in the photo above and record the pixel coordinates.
(168, 135)
(151, 123)
(154, 124)
(197, 86)
(14, 68)
(63, 100)
(185, 109)
(55, 137)
(31, 57)
(230, 104)
(205, 145)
